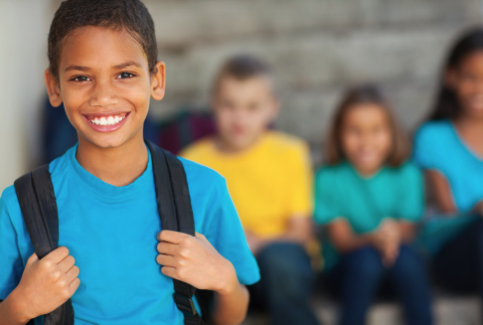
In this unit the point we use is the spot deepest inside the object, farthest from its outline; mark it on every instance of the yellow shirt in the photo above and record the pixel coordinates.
(269, 183)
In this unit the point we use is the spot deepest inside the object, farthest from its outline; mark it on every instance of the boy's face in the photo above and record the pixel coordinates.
(243, 109)
(105, 85)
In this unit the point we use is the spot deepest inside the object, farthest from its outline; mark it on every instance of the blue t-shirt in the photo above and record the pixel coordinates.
(437, 146)
(340, 192)
(111, 232)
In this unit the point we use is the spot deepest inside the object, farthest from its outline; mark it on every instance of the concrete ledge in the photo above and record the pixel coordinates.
(449, 310)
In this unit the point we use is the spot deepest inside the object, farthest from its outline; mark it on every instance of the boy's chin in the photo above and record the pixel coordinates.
(108, 141)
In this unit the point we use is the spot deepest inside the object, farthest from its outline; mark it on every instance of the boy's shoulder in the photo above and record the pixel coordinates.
(9, 196)
(197, 148)
(57, 169)
(198, 174)
(283, 141)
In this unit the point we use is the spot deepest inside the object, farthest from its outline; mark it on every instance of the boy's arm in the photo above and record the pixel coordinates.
(195, 261)
(45, 285)
(11, 311)
(231, 305)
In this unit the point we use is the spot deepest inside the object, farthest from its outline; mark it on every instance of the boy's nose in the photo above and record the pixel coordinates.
(103, 95)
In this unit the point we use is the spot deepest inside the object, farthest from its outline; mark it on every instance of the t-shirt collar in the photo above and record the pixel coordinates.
(107, 190)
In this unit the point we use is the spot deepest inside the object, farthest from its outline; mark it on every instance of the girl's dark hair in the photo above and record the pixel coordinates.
(446, 104)
(366, 94)
(130, 15)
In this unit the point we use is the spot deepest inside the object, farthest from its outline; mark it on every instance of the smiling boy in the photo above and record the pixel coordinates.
(104, 69)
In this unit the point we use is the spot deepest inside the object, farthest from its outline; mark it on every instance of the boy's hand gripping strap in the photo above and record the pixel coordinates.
(36, 196)
(175, 212)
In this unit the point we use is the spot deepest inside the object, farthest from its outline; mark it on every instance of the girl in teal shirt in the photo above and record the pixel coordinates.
(370, 199)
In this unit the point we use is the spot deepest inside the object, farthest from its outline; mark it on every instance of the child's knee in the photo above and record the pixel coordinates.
(365, 262)
(409, 263)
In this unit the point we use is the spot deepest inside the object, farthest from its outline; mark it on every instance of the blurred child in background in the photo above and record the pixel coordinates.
(449, 147)
(269, 178)
(370, 199)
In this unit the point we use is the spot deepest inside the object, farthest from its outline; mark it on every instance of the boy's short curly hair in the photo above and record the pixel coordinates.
(242, 67)
(129, 15)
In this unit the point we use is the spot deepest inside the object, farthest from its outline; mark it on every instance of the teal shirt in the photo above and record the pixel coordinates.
(340, 192)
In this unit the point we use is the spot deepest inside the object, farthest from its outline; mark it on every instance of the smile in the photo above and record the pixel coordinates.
(106, 123)
(107, 120)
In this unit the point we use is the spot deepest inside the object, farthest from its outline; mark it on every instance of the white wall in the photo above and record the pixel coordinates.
(23, 45)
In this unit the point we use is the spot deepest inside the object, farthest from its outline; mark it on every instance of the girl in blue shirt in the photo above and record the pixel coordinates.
(370, 199)
(449, 147)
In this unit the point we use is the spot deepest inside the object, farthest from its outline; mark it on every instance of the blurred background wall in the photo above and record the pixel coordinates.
(316, 47)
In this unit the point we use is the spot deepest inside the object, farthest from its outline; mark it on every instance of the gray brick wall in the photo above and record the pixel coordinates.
(317, 48)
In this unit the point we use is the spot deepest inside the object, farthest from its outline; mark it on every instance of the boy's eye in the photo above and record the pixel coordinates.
(80, 78)
(125, 75)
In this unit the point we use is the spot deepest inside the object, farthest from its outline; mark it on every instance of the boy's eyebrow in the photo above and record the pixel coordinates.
(119, 66)
(76, 67)
(127, 64)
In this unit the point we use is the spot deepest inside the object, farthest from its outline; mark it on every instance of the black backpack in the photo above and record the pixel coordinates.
(35, 193)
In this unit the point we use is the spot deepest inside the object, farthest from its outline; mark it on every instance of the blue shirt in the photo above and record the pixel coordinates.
(438, 147)
(340, 192)
(111, 232)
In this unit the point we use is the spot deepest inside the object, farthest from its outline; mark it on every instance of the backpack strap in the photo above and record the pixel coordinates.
(174, 207)
(36, 196)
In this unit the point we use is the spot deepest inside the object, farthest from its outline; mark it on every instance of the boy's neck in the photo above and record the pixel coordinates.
(118, 166)
(225, 146)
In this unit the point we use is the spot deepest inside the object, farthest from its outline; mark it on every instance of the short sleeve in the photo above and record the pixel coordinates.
(326, 206)
(411, 198)
(10, 259)
(224, 231)
(301, 187)
(426, 145)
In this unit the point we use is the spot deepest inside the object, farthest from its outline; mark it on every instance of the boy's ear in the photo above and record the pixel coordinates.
(53, 88)
(158, 81)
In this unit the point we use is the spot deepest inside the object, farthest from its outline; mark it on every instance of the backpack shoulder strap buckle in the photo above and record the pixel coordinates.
(185, 305)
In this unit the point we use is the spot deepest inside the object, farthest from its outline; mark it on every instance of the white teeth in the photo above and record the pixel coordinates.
(107, 120)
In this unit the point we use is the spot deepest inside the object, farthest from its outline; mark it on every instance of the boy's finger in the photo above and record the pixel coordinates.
(174, 237)
(74, 285)
(72, 274)
(32, 259)
(169, 271)
(165, 260)
(66, 264)
(201, 236)
(57, 255)
(167, 248)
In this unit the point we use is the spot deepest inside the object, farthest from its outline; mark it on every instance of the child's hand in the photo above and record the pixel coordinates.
(195, 261)
(388, 240)
(47, 283)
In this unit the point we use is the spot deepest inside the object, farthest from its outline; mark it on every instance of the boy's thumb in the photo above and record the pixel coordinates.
(32, 259)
